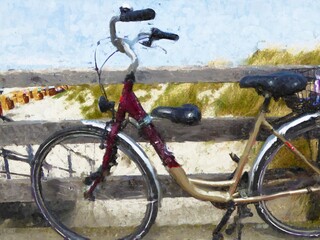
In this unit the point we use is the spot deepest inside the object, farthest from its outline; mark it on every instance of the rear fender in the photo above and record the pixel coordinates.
(283, 129)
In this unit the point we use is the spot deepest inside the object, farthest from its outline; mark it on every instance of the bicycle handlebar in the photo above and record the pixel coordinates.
(126, 46)
(138, 15)
(157, 34)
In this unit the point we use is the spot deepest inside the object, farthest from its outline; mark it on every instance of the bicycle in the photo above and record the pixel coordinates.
(16, 166)
(286, 169)
(8, 154)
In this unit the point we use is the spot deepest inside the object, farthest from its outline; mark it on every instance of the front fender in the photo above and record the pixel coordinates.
(136, 147)
(272, 139)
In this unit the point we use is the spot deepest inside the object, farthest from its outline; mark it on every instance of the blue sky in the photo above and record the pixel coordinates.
(62, 34)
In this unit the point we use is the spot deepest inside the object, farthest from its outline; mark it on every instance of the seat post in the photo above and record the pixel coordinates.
(266, 103)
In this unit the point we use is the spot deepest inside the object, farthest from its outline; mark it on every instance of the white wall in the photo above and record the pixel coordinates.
(36, 34)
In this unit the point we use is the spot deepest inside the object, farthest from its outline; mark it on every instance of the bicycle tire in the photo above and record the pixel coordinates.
(279, 169)
(63, 209)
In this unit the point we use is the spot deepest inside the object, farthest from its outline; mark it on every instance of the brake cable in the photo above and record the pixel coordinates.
(99, 71)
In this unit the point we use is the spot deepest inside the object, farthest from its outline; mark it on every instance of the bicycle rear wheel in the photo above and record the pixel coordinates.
(126, 202)
(281, 170)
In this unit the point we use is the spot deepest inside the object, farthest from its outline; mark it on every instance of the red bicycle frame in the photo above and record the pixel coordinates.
(130, 104)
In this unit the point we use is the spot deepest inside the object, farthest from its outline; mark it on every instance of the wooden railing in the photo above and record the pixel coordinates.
(35, 132)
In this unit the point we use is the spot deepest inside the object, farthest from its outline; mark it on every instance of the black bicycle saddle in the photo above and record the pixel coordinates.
(186, 114)
(278, 84)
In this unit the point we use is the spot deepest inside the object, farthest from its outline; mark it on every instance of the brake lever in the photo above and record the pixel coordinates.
(157, 34)
(149, 44)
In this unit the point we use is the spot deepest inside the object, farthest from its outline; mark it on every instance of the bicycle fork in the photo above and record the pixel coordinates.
(128, 104)
(108, 162)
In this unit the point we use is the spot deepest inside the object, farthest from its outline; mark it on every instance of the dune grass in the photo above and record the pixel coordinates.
(177, 94)
(274, 56)
(88, 94)
(245, 102)
(233, 101)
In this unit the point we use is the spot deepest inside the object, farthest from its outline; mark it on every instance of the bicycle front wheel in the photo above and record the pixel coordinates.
(125, 204)
(281, 170)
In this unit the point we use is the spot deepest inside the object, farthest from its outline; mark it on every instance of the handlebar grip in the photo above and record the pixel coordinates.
(157, 34)
(138, 15)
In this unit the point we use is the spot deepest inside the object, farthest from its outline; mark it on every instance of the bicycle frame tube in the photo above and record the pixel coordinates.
(131, 105)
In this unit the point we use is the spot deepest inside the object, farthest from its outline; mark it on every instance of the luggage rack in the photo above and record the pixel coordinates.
(307, 100)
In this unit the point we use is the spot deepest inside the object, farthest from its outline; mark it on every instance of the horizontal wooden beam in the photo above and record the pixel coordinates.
(161, 75)
(19, 190)
(216, 129)
(119, 187)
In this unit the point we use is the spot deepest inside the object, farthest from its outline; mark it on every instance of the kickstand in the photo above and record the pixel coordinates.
(242, 212)
(216, 234)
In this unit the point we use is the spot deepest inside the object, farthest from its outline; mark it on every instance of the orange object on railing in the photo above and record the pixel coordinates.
(52, 91)
(39, 94)
(9, 103)
(25, 98)
(30, 94)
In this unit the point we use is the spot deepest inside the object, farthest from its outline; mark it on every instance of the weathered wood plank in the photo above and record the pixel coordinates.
(119, 187)
(216, 129)
(74, 77)
(15, 190)
(30, 132)
(19, 190)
